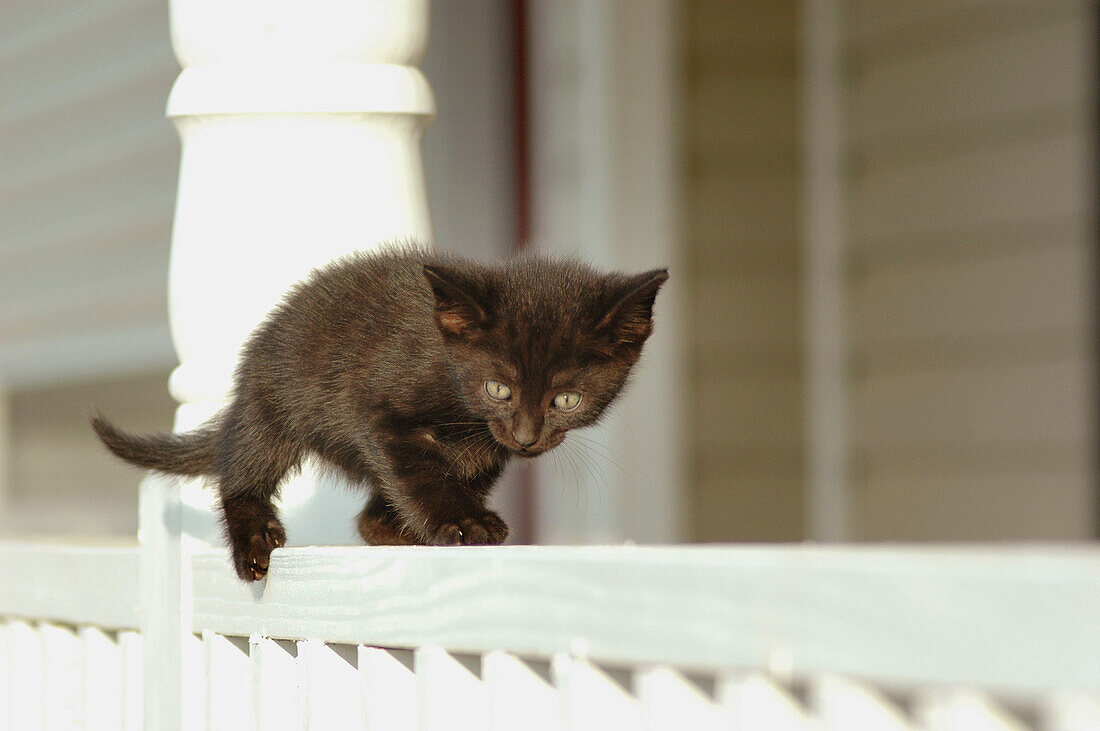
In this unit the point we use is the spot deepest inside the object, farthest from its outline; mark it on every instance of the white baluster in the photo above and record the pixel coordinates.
(5, 676)
(274, 685)
(841, 704)
(193, 687)
(1070, 711)
(228, 683)
(518, 696)
(449, 696)
(25, 645)
(164, 615)
(330, 680)
(130, 643)
(102, 670)
(389, 690)
(962, 710)
(591, 699)
(670, 702)
(62, 677)
(755, 703)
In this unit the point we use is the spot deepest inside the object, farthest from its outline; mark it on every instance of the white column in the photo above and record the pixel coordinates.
(300, 125)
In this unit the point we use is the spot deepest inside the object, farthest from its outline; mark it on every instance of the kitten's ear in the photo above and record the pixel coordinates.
(629, 321)
(457, 309)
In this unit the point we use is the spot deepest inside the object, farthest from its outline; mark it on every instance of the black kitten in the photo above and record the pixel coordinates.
(419, 374)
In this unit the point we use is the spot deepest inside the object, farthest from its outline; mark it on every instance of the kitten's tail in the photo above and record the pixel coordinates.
(182, 454)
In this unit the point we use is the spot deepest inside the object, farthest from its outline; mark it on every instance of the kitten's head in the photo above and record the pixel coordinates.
(541, 347)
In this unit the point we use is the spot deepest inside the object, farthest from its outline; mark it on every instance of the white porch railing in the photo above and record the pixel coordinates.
(568, 638)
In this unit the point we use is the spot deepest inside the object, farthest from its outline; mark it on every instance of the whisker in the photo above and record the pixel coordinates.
(578, 479)
(587, 458)
(599, 449)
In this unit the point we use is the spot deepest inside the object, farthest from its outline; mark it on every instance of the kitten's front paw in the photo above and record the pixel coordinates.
(488, 529)
(252, 559)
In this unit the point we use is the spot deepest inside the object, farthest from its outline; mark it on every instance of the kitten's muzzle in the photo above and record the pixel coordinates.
(522, 440)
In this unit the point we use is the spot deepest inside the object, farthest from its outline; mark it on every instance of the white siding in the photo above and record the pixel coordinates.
(87, 187)
(974, 282)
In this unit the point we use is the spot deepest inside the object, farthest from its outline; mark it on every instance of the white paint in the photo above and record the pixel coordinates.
(604, 189)
(449, 696)
(329, 677)
(957, 708)
(101, 681)
(591, 699)
(229, 686)
(163, 598)
(388, 690)
(26, 674)
(1069, 711)
(825, 243)
(670, 701)
(7, 659)
(274, 694)
(62, 701)
(192, 689)
(71, 583)
(756, 702)
(132, 681)
(518, 697)
(840, 704)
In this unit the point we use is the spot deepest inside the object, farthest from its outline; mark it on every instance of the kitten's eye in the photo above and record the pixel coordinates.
(497, 390)
(567, 401)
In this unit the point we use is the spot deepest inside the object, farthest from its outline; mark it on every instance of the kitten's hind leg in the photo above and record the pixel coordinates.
(251, 462)
(379, 524)
(254, 531)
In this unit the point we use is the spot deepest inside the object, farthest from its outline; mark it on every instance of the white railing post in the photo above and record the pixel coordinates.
(300, 125)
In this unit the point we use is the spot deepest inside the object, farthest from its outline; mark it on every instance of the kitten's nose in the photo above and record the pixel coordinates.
(525, 437)
(525, 433)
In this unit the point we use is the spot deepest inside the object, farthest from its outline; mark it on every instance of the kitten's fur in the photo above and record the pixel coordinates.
(379, 364)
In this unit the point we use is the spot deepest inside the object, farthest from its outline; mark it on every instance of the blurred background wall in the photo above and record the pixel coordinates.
(87, 192)
(972, 197)
(968, 141)
(968, 197)
(740, 235)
